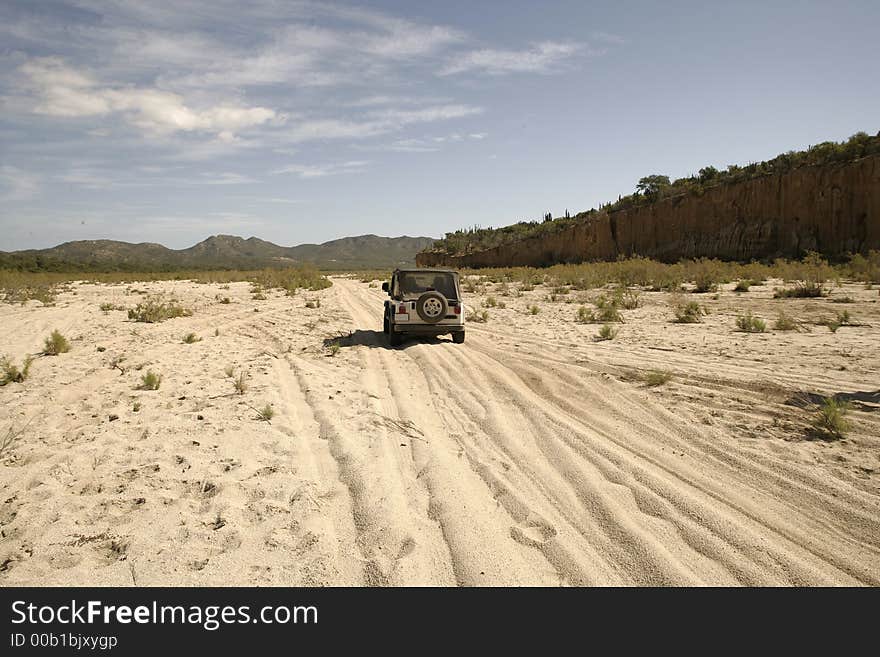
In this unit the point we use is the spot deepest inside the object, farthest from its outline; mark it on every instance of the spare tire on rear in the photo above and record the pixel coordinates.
(432, 307)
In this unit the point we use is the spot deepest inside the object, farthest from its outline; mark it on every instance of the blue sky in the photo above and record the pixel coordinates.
(303, 121)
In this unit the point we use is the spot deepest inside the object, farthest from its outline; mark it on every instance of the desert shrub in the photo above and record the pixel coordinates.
(656, 377)
(533, 310)
(750, 324)
(865, 269)
(490, 302)
(157, 309)
(150, 381)
(55, 344)
(846, 299)
(191, 338)
(333, 348)
(688, 313)
(606, 332)
(785, 322)
(706, 275)
(481, 317)
(136, 407)
(743, 285)
(584, 315)
(10, 373)
(627, 299)
(311, 304)
(11, 437)
(840, 319)
(801, 290)
(223, 300)
(830, 419)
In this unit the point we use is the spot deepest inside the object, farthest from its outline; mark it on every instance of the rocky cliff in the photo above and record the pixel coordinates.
(832, 209)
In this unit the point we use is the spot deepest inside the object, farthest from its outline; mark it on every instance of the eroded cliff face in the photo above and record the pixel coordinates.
(833, 209)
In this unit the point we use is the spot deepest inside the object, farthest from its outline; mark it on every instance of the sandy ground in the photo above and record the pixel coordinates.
(530, 455)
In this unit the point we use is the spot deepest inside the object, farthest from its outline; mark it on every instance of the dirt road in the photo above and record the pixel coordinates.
(517, 458)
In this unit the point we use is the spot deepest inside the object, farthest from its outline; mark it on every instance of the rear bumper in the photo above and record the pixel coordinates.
(427, 329)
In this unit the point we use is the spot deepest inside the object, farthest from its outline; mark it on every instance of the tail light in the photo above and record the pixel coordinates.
(457, 308)
(401, 309)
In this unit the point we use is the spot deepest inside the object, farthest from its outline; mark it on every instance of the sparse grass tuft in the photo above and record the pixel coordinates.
(802, 290)
(785, 322)
(55, 344)
(750, 324)
(333, 348)
(656, 377)
(191, 338)
(607, 332)
(628, 299)
(830, 419)
(9, 372)
(156, 309)
(240, 383)
(11, 436)
(151, 381)
(266, 414)
(534, 310)
(688, 313)
(136, 407)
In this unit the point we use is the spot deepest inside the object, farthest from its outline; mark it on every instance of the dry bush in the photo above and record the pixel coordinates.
(830, 419)
(785, 322)
(150, 381)
(10, 373)
(55, 344)
(688, 313)
(607, 332)
(156, 309)
(750, 324)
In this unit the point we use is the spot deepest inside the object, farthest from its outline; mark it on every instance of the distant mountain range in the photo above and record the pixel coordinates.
(219, 252)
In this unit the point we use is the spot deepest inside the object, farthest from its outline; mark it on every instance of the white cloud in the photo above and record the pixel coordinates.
(540, 58)
(306, 171)
(375, 122)
(66, 92)
(426, 114)
(226, 179)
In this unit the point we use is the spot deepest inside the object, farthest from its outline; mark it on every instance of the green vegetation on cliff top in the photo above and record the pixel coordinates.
(656, 187)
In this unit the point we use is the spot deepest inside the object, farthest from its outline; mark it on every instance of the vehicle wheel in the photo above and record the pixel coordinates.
(394, 338)
(432, 307)
(458, 337)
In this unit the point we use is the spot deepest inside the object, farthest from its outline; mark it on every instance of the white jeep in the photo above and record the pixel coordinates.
(423, 302)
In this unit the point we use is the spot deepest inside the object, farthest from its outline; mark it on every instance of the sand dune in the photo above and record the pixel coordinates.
(530, 455)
